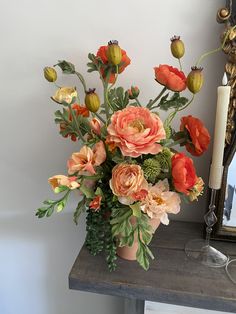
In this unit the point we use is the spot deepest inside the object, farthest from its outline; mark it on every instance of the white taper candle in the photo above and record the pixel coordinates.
(223, 96)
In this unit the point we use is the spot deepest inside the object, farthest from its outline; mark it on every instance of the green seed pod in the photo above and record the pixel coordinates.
(177, 47)
(50, 74)
(114, 53)
(195, 80)
(92, 101)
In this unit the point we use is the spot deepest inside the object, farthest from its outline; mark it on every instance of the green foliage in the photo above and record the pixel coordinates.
(144, 232)
(118, 98)
(151, 169)
(99, 235)
(79, 209)
(136, 209)
(175, 102)
(70, 126)
(88, 192)
(51, 205)
(120, 221)
(94, 64)
(66, 67)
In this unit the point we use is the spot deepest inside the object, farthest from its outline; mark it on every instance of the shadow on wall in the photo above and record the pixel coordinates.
(36, 257)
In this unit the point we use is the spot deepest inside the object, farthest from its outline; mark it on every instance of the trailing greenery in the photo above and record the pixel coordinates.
(99, 233)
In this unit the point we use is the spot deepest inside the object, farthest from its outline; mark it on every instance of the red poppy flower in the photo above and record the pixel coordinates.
(170, 77)
(200, 137)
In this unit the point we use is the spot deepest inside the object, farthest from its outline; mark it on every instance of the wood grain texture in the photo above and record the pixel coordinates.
(172, 277)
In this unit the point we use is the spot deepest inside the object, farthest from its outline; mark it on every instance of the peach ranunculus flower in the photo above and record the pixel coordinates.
(86, 159)
(95, 126)
(172, 78)
(160, 202)
(136, 131)
(126, 180)
(61, 180)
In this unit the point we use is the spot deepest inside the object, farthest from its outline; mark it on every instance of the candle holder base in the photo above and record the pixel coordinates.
(207, 255)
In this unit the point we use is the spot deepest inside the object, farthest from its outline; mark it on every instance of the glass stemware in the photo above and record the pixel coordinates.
(200, 250)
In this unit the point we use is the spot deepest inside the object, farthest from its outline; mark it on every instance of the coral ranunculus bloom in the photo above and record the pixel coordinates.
(183, 173)
(170, 77)
(198, 133)
(136, 131)
(125, 61)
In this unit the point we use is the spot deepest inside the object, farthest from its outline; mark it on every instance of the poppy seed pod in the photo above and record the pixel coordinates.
(114, 54)
(92, 101)
(177, 47)
(195, 80)
(50, 74)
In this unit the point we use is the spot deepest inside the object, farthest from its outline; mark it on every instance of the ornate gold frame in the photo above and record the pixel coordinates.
(227, 15)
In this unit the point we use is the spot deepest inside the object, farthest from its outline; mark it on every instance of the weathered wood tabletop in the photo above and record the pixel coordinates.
(172, 277)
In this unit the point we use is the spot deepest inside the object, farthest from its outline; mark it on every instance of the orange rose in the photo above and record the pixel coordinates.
(125, 61)
(79, 111)
(170, 77)
(183, 173)
(200, 137)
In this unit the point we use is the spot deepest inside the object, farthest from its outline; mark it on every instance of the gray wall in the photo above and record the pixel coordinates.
(36, 256)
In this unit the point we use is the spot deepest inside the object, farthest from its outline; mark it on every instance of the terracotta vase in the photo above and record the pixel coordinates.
(129, 252)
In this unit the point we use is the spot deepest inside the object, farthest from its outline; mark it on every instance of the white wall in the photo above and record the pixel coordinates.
(36, 256)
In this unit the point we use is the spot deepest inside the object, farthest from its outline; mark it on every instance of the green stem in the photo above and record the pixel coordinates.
(173, 114)
(76, 123)
(138, 102)
(158, 97)
(217, 49)
(99, 117)
(105, 101)
(58, 86)
(180, 141)
(191, 100)
(82, 80)
(180, 65)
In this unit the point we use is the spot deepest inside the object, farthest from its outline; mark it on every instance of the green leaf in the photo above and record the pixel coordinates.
(50, 211)
(136, 209)
(142, 257)
(89, 193)
(79, 209)
(99, 192)
(66, 67)
(175, 102)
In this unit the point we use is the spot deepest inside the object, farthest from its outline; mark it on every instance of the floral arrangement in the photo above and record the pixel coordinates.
(127, 170)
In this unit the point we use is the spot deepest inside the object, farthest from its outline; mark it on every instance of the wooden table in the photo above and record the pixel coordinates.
(172, 277)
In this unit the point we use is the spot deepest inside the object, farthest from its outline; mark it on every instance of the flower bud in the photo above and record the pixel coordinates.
(92, 101)
(177, 47)
(114, 54)
(65, 95)
(195, 80)
(133, 92)
(50, 74)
